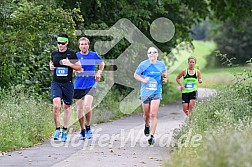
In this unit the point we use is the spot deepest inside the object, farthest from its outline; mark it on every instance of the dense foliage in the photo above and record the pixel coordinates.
(29, 28)
(235, 43)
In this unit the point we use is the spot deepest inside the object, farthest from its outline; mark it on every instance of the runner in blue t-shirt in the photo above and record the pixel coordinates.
(85, 84)
(151, 73)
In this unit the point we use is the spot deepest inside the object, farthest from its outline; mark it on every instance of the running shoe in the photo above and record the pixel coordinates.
(89, 134)
(64, 136)
(151, 140)
(146, 130)
(82, 135)
(56, 135)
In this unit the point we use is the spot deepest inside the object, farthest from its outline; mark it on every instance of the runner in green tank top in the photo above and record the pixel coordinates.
(190, 81)
(191, 76)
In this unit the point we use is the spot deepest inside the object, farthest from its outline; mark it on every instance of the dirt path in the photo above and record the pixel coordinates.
(117, 143)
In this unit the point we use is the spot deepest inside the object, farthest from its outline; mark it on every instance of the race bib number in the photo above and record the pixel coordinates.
(151, 85)
(61, 71)
(189, 85)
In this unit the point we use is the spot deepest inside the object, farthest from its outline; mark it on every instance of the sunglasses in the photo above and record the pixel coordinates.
(154, 52)
(62, 43)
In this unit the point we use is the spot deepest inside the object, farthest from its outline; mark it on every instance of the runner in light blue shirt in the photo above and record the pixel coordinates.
(151, 73)
(154, 73)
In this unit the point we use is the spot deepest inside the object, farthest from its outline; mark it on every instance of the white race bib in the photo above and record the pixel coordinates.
(152, 84)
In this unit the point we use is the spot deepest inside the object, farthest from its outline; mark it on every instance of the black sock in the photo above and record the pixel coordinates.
(65, 129)
(83, 131)
(58, 128)
(152, 136)
(87, 127)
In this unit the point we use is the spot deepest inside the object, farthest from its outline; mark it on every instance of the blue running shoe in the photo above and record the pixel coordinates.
(56, 135)
(151, 140)
(64, 136)
(89, 134)
(82, 135)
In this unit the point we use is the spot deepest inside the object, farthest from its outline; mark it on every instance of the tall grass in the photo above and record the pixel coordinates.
(226, 147)
(24, 120)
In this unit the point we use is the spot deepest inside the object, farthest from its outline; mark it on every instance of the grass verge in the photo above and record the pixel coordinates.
(24, 120)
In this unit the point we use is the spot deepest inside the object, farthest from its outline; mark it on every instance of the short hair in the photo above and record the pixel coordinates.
(191, 57)
(63, 35)
(83, 39)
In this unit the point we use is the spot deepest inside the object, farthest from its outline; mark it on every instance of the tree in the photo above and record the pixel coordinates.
(184, 14)
(234, 43)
